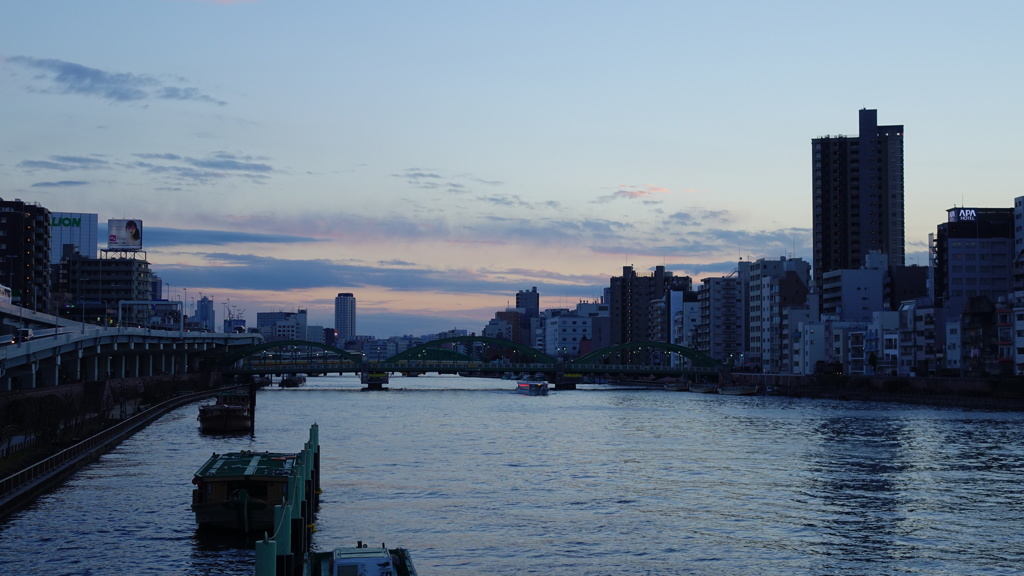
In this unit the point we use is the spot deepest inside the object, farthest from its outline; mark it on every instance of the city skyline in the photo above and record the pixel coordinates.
(434, 160)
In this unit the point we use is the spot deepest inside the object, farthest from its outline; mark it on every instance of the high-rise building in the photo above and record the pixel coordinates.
(25, 252)
(205, 318)
(858, 196)
(345, 317)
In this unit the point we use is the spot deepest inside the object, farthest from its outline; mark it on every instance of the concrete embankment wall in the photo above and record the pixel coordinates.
(20, 489)
(983, 393)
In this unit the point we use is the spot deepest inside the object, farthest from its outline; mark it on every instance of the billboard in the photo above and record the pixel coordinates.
(124, 234)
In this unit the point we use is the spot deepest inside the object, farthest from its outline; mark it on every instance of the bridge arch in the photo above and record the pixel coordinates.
(696, 358)
(415, 353)
(256, 349)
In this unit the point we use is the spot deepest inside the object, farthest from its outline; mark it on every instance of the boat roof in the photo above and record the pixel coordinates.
(248, 463)
(349, 553)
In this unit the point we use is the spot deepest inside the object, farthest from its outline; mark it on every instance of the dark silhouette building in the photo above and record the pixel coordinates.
(858, 197)
(25, 251)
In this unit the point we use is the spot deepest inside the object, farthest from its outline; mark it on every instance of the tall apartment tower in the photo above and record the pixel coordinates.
(345, 317)
(858, 196)
(25, 252)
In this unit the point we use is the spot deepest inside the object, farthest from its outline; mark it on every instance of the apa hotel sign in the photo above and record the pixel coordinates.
(962, 214)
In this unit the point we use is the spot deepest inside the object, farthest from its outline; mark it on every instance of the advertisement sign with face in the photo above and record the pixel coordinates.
(124, 234)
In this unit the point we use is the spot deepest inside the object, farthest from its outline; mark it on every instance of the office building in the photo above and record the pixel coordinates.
(345, 317)
(279, 326)
(74, 229)
(858, 197)
(974, 253)
(205, 318)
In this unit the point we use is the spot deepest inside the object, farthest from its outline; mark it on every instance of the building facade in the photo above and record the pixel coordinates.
(73, 229)
(973, 256)
(345, 317)
(858, 196)
(25, 250)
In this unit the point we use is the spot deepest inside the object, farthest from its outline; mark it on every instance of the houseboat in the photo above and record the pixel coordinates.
(237, 491)
(231, 412)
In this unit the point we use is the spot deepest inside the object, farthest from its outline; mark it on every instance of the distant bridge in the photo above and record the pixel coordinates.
(304, 357)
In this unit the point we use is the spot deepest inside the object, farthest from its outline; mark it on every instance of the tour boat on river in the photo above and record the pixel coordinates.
(532, 387)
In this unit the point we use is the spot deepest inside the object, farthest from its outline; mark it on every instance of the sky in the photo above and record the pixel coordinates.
(434, 158)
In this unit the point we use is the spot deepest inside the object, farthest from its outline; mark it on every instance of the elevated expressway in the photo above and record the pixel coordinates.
(63, 351)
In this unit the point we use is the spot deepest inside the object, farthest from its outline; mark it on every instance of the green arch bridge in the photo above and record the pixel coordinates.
(490, 357)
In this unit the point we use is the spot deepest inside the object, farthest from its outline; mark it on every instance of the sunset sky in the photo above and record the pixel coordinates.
(434, 158)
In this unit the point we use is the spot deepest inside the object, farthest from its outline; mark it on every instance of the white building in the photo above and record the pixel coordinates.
(345, 317)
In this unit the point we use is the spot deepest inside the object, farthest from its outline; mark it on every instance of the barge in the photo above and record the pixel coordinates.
(231, 412)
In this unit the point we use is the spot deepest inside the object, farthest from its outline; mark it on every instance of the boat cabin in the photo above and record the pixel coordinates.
(238, 491)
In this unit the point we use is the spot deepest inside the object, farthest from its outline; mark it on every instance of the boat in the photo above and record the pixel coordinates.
(703, 387)
(237, 491)
(232, 411)
(361, 560)
(532, 387)
(738, 389)
(677, 386)
(292, 381)
(375, 380)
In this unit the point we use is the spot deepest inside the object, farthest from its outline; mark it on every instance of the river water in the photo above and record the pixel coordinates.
(475, 479)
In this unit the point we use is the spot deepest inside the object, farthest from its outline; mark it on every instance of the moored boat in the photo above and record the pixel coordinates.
(361, 560)
(232, 411)
(738, 389)
(532, 387)
(292, 381)
(238, 491)
(703, 387)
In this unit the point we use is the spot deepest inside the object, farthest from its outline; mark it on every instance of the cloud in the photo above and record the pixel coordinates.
(699, 217)
(217, 166)
(159, 237)
(254, 272)
(65, 163)
(646, 192)
(430, 180)
(121, 87)
(61, 184)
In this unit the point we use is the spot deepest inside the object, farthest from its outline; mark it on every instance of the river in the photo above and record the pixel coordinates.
(475, 479)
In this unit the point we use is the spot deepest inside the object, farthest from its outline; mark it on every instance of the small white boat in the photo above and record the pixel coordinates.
(532, 387)
(361, 561)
